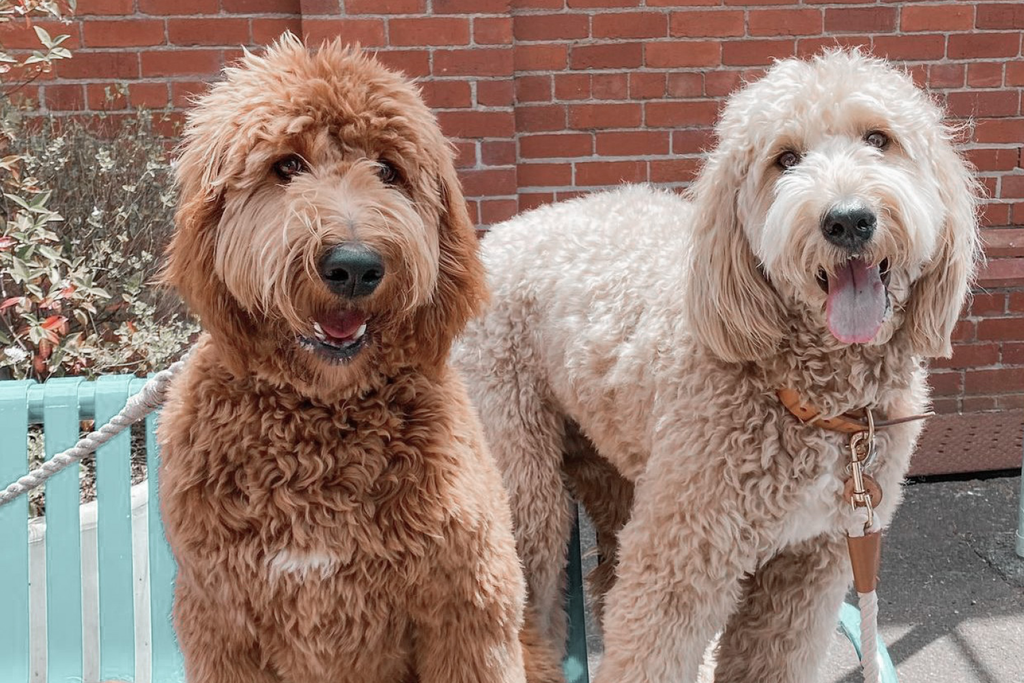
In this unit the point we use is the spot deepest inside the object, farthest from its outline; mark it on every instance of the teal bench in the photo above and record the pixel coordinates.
(112, 621)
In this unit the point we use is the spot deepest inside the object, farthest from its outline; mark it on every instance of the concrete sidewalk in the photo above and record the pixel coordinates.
(951, 598)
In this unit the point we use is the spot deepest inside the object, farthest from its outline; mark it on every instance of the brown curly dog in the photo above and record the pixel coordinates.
(334, 511)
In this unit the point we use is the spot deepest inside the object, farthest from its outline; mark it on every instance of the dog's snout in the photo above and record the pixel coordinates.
(849, 225)
(351, 270)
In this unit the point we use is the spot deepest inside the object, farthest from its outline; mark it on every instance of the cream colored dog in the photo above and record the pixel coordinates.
(827, 248)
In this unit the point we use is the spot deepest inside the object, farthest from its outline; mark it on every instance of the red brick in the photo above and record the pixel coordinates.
(540, 118)
(808, 47)
(496, 93)
(497, 210)
(645, 86)
(593, 116)
(533, 89)
(531, 200)
(917, 18)
(260, 6)
(385, 6)
(181, 7)
(488, 182)
(601, 3)
(683, 53)
(471, 6)
(492, 30)
(963, 331)
(105, 7)
(64, 97)
(267, 30)
(546, 57)
(999, 130)
(148, 95)
(856, 19)
(945, 383)
(607, 56)
(18, 35)
(682, 170)
(473, 209)
(465, 154)
(983, 45)
(756, 52)
(443, 94)
(1015, 73)
(946, 75)
(1004, 380)
(1012, 186)
(979, 404)
(609, 86)
(983, 103)
(366, 32)
(544, 175)
(1015, 303)
(1001, 329)
(706, 23)
(988, 304)
(477, 124)
(630, 25)
(994, 214)
(1013, 353)
(554, 146)
(683, 3)
(680, 114)
(550, 27)
(633, 143)
(473, 62)
(721, 82)
(123, 33)
(693, 141)
(572, 86)
(1006, 16)
(208, 31)
(610, 172)
(945, 406)
(685, 85)
(183, 92)
(428, 31)
(180, 62)
(915, 47)
(106, 97)
(414, 63)
(1010, 402)
(985, 74)
(970, 356)
(787, 22)
(99, 65)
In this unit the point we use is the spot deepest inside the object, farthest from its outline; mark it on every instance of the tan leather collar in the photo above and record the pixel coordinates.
(848, 423)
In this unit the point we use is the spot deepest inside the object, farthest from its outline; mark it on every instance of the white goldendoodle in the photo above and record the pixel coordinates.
(826, 247)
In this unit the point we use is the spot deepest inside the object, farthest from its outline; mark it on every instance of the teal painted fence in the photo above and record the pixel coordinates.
(113, 621)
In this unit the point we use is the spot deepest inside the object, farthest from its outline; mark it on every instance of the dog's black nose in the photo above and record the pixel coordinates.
(351, 270)
(849, 225)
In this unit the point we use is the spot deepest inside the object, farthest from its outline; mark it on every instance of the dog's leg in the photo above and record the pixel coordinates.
(216, 648)
(781, 632)
(681, 562)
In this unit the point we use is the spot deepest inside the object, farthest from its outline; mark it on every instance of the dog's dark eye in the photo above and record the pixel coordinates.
(877, 139)
(787, 159)
(387, 172)
(289, 167)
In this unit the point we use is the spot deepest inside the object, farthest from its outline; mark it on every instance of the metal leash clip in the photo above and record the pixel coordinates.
(860, 489)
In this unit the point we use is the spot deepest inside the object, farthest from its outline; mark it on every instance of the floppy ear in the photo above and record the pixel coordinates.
(190, 257)
(733, 310)
(461, 288)
(939, 294)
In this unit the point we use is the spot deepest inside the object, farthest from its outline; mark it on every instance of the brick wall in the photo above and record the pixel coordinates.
(548, 98)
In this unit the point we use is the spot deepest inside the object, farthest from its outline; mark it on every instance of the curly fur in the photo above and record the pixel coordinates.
(332, 521)
(660, 328)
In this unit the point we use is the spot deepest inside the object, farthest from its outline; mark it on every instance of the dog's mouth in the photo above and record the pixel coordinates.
(858, 299)
(337, 337)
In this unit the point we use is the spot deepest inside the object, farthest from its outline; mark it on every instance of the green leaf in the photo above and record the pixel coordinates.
(44, 37)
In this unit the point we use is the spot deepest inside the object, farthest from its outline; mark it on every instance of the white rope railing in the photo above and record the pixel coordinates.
(149, 398)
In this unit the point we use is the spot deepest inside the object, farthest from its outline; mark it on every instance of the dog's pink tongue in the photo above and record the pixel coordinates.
(343, 325)
(856, 302)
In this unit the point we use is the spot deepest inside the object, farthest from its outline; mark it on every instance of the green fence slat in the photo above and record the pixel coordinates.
(114, 536)
(14, 625)
(168, 664)
(63, 537)
(575, 664)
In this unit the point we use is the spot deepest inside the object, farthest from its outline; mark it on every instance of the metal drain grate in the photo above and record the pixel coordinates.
(974, 442)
